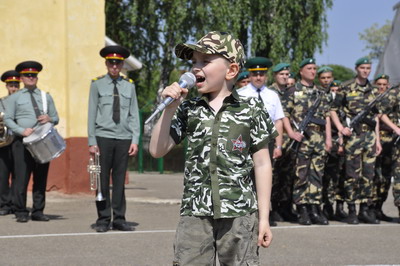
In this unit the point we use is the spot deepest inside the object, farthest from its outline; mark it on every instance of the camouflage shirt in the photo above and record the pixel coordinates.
(353, 98)
(217, 176)
(390, 105)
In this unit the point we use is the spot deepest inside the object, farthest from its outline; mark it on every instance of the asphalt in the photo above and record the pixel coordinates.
(153, 212)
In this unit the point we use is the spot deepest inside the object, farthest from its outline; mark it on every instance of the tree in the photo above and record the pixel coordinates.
(342, 73)
(282, 30)
(376, 38)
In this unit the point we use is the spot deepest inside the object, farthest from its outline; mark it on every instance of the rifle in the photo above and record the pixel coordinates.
(309, 118)
(361, 116)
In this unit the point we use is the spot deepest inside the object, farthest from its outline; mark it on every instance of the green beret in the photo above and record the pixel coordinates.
(292, 75)
(280, 67)
(363, 60)
(335, 83)
(243, 75)
(307, 61)
(258, 64)
(324, 69)
(381, 76)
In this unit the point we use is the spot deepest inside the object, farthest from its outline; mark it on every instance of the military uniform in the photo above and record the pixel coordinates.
(113, 126)
(21, 115)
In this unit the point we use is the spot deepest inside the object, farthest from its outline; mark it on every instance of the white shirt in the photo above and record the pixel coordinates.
(270, 98)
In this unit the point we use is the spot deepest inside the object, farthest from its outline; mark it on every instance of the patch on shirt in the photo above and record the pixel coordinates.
(238, 144)
(298, 94)
(353, 94)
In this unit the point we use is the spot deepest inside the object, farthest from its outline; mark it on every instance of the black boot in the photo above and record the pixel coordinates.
(365, 215)
(303, 217)
(286, 212)
(379, 213)
(274, 214)
(352, 217)
(271, 220)
(316, 216)
(340, 213)
(328, 211)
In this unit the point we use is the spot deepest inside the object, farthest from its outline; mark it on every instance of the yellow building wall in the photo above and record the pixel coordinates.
(65, 36)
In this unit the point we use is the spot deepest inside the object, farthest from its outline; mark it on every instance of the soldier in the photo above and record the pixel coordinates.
(362, 144)
(12, 80)
(282, 186)
(113, 132)
(242, 79)
(25, 110)
(325, 77)
(388, 162)
(291, 80)
(333, 179)
(312, 144)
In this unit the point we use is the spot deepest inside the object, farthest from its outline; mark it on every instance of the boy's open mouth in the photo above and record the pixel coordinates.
(200, 79)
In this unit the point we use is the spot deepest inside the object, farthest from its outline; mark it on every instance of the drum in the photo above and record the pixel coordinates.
(44, 144)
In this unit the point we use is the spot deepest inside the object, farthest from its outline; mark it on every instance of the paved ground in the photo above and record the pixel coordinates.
(153, 208)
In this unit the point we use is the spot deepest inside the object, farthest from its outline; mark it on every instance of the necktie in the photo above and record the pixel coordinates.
(34, 103)
(116, 109)
(259, 95)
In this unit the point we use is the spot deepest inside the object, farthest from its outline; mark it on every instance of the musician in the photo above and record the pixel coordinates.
(12, 81)
(113, 131)
(24, 113)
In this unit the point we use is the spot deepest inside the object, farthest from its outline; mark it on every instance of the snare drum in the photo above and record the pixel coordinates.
(44, 144)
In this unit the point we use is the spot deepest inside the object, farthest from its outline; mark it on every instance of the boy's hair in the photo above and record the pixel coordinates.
(214, 42)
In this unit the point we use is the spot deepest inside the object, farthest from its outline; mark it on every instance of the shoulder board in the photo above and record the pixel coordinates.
(128, 79)
(99, 77)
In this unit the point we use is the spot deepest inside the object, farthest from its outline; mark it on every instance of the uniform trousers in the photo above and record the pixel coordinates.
(24, 166)
(6, 169)
(113, 161)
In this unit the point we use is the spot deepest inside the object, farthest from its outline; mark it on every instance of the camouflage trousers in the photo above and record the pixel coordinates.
(333, 179)
(360, 167)
(396, 175)
(199, 239)
(383, 170)
(309, 169)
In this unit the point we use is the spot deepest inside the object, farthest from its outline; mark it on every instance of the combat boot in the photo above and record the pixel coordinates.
(328, 211)
(271, 220)
(365, 215)
(352, 217)
(316, 216)
(274, 214)
(379, 213)
(303, 217)
(286, 212)
(340, 213)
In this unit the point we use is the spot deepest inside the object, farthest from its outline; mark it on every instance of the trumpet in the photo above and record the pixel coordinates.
(94, 170)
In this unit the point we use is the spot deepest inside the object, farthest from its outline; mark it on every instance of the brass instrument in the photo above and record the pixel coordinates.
(94, 170)
(6, 135)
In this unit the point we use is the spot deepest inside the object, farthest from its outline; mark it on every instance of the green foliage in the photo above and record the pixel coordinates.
(342, 73)
(282, 30)
(376, 38)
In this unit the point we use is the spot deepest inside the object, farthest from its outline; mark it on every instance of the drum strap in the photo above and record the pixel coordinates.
(44, 101)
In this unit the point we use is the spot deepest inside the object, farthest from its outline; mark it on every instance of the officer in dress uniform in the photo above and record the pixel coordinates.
(113, 130)
(12, 81)
(24, 113)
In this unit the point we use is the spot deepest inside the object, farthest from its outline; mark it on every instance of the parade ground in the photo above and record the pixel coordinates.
(153, 211)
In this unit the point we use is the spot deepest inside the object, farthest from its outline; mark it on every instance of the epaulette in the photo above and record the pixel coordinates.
(128, 79)
(99, 77)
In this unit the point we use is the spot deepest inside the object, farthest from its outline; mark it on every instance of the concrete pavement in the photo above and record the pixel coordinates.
(153, 210)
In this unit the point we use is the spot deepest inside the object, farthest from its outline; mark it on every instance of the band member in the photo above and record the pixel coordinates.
(113, 130)
(24, 112)
(12, 80)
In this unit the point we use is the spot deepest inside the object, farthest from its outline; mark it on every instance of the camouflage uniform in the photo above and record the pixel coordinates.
(310, 158)
(360, 146)
(391, 160)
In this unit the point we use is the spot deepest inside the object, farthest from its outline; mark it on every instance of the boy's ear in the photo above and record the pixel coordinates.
(232, 71)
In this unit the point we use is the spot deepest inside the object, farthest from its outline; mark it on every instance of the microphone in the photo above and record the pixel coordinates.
(187, 81)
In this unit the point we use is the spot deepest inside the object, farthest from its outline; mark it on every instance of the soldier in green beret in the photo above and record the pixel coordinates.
(312, 144)
(362, 144)
(325, 77)
(242, 79)
(291, 80)
(113, 133)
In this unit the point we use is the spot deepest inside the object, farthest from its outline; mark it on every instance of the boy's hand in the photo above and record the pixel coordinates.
(264, 234)
(176, 92)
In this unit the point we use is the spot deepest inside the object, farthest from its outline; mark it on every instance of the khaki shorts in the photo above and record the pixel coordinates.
(199, 240)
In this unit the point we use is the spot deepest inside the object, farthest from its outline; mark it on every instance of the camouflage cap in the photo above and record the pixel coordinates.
(214, 42)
